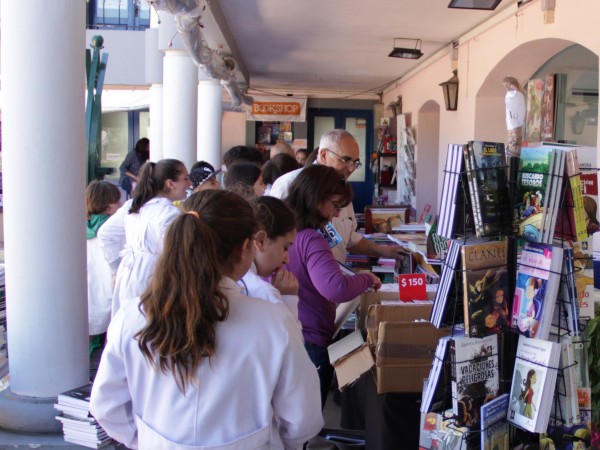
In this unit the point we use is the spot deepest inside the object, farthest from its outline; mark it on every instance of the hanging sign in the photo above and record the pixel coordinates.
(412, 287)
(277, 109)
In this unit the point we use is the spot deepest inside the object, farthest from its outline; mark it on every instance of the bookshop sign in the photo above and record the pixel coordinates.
(283, 109)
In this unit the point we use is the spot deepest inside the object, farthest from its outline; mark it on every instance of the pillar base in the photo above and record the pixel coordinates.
(28, 414)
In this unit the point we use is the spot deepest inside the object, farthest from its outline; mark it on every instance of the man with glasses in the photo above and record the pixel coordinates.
(339, 149)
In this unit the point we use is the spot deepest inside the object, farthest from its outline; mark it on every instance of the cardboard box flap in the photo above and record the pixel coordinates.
(350, 367)
(345, 346)
(400, 312)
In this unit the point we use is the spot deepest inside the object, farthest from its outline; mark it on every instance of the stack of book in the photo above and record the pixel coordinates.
(79, 427)
(539, 192)
(447, 305)
(538, 280)
(533, 384)
(3, 348)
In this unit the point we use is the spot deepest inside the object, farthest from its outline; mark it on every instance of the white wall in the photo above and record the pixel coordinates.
(126, 56)
(234, 130)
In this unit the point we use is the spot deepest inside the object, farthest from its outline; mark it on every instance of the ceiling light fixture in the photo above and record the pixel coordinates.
(406, 52)
(489, 5)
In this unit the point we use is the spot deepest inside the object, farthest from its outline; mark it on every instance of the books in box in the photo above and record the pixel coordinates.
(350, 357)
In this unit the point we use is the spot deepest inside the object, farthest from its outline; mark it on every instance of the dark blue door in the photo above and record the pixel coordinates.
(360, 124)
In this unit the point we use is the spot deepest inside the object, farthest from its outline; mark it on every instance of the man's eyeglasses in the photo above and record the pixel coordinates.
(346, 160)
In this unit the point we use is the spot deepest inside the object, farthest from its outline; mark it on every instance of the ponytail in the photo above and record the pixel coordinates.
(183, 302)
(152, 179)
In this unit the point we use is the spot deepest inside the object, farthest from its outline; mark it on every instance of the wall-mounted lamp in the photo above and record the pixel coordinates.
(450, 89)
(407, 52)
(474, 4)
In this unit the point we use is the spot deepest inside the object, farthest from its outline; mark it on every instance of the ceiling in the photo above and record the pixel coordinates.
(332, 48)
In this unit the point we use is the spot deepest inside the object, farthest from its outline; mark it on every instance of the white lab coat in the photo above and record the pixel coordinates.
(100, 288)
(260, 376)
(256, 287)
(136, 240)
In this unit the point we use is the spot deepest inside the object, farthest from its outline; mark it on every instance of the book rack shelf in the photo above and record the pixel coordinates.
(566, 324)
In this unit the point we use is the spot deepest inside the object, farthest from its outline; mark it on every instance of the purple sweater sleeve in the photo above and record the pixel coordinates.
(324, 271)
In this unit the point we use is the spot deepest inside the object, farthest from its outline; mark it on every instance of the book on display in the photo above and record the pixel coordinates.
(538, 280)
(533, 383)
(485, 287)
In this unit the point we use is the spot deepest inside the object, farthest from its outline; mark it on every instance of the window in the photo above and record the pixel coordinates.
(119, 14)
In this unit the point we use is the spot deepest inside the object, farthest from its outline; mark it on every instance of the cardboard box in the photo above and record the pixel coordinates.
(404, 354)
(350, 357)
(397, 312)
(371, 298)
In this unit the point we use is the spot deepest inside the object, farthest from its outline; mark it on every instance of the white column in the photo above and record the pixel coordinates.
(154, 77)
(180, 97)
(156, 122)
(210, 111)
(44, 165)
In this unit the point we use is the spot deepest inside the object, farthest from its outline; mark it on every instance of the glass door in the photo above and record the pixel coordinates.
(360, 124)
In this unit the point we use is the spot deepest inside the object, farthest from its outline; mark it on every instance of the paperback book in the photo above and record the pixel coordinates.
(486, 172)
(494, 427)
(485, 287)
(538, 280)
(532, 193)
(475, 376)
(533, 384)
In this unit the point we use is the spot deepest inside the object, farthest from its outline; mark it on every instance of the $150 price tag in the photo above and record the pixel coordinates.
(412, 287)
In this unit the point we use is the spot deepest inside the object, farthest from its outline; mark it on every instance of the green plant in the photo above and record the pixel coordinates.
(592, 334)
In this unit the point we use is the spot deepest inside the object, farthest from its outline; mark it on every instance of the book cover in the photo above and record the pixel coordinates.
(382, 220)
(571, 223)
(548, 103)
(582, 380)
(488, 164)
(566, 408)
(475, 376)
(494, 427)
(496, 437)
(531, 191)
(538, 280)
(78, 397)
(533, 383)
(533, 113)
(485, 287)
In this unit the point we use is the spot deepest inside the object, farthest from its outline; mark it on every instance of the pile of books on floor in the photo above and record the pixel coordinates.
(3, 349)
(79, 427)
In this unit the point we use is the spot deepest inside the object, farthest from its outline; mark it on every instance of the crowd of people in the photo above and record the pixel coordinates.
(218, 301)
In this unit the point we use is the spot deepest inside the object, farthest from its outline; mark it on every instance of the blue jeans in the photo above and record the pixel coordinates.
(320, 358)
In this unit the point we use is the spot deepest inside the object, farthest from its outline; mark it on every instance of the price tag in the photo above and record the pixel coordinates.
(412, 287)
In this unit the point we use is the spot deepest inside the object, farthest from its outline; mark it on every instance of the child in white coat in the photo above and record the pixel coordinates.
(198, 364)
(267, 278)
(132, 238)
(103, 199)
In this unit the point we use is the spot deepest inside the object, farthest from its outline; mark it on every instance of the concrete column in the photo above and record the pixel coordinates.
(154, 77)
(180, 97)
(156, 122)
(210, 112)
(44, 165)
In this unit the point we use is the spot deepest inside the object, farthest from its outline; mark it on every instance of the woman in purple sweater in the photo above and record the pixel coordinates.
(316, 196)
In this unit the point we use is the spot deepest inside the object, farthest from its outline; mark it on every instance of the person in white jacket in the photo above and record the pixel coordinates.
(198, 364)
(131, 239)
(268, 278)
